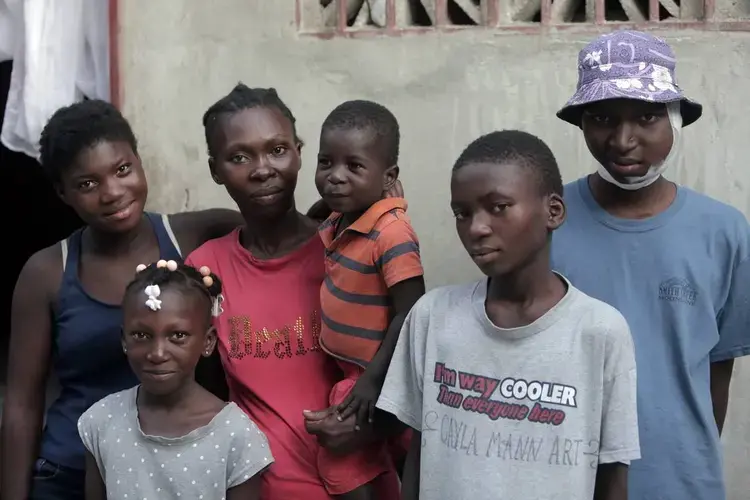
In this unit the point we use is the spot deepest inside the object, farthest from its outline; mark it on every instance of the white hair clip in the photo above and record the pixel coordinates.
(216, 308)
(153, 293)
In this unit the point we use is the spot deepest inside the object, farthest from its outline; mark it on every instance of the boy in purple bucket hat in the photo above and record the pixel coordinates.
(676, 263)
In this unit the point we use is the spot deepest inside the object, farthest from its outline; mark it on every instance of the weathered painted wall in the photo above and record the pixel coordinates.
(178, 57)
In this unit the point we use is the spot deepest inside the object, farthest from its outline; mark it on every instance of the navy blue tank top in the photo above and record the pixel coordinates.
(88, 358)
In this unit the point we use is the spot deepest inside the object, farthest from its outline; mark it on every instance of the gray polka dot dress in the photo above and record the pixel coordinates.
(201, 465)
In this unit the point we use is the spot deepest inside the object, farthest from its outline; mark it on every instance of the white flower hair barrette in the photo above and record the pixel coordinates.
(153, 301)
(153, 291)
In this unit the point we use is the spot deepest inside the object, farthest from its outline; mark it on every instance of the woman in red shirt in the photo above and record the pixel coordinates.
(272, 268)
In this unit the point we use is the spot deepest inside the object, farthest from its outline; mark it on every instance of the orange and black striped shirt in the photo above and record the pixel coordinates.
(379, 250)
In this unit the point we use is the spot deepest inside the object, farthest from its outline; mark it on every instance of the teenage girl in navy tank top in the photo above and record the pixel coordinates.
(66, 314)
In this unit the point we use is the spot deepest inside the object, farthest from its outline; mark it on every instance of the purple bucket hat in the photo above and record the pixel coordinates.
(630, 65)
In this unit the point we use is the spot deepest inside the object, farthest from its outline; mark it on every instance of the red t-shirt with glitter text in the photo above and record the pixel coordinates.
(268, 340)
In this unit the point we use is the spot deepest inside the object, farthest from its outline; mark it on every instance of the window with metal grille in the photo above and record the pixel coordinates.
(354, 18)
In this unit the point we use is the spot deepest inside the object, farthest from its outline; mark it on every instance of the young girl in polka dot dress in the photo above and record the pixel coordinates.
(169, 437)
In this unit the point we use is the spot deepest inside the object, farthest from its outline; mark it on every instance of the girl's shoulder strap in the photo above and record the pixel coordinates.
(70, 249)
(170, 233)
(169, 248)
(64, 251)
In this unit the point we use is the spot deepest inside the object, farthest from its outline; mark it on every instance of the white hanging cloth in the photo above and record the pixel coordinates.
(60, 52)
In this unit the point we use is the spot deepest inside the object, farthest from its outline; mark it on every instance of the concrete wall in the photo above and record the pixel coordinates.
(177, 57)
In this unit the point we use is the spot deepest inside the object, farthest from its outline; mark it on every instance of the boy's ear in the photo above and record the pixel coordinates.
(556, 211)
(212, 169)
(390, 176)
(59, 191)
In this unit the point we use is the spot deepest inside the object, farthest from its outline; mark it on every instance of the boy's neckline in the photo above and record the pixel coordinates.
(628, 225)
(545, 321)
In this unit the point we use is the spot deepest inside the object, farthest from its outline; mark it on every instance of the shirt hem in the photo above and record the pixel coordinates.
(734, 353)
(389, 406)
(626, 456)
(403, 275)
(341, 357)
(252, 471)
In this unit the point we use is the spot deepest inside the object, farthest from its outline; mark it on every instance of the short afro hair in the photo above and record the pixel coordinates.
(240, 98)
(77, 127)
(519, 147)
(371, 116)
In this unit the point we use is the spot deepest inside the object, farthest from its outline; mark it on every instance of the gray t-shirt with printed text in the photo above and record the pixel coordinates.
(527, 412)
(201, 465)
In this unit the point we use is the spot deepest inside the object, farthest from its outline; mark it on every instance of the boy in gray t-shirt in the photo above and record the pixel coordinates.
(519, 386)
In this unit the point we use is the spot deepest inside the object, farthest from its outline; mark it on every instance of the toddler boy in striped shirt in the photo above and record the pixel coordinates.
(374, 276)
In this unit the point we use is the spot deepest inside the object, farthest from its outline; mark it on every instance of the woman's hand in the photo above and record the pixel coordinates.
(337, 436)
(396, 191)
(319, 211)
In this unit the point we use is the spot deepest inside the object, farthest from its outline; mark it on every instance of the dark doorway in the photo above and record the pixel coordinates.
(34, 218)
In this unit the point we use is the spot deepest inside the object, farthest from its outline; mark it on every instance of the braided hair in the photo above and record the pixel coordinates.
(240, 98)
